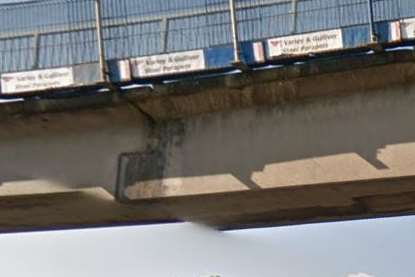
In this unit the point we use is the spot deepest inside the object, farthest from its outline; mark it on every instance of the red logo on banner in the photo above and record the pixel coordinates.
(275, 43)
(7, 79)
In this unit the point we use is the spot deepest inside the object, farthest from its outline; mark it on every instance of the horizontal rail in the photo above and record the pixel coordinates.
(90, 26)
(161, 29)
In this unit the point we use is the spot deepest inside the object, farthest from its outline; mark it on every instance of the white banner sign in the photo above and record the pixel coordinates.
(408, 28)
(36, 80)
(306, 43)
(168, 64)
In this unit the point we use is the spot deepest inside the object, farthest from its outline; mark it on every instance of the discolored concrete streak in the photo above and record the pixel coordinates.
(329, 140)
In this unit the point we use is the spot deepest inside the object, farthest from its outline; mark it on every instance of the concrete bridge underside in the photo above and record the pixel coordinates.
(333, 139)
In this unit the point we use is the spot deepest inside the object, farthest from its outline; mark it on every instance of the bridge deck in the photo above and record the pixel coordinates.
(83, 206)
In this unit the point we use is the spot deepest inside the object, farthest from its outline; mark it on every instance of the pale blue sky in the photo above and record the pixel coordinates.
(379, 248)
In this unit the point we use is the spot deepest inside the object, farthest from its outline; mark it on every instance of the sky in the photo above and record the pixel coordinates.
(369, 248)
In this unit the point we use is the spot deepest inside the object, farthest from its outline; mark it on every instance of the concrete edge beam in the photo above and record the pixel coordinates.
(225, 211)
(166, 94)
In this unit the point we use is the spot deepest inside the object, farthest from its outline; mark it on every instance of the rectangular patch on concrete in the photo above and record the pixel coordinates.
(137, 168)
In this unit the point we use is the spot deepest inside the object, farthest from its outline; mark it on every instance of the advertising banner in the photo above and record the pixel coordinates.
(29, 81)
(166, 64)
(305, 43)
(407, 28)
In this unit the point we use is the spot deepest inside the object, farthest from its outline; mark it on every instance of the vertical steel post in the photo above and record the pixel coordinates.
(294, 5)
(164, 34)
(36, 51)
(373, 35)
(100, 41)
(235, 35)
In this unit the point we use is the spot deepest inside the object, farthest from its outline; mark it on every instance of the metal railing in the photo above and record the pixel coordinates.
(42, 34)
(53, 33)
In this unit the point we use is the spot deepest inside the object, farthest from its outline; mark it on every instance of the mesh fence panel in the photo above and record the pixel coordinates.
(53, 33)
(141, 27)
(386, 10)
(259, 19)
(44, 34)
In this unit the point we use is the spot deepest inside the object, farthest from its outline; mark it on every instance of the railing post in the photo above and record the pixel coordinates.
(164, 34)
(100, 41)
(294, 5)
(373, 35)
(36, 50)
(235, 35)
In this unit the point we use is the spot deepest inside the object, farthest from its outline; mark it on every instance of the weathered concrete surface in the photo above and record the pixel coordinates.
(279, 86)
(53, 152)
(328, 140)
(225, 211)
(361, 129)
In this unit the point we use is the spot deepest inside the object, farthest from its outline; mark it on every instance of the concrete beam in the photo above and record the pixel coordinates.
(224, 211)
(190, 97)
(72, 149)
(328, 140)
(321, 128)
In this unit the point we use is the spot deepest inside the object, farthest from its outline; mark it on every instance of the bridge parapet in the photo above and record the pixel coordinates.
(52, 46)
